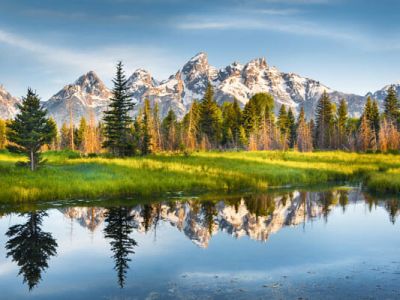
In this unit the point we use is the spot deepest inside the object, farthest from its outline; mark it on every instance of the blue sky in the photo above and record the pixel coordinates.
(352, 46)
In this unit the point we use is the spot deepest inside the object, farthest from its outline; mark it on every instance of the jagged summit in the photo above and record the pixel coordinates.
(88, 94)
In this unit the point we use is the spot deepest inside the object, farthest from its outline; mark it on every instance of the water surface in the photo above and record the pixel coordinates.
(327, 244)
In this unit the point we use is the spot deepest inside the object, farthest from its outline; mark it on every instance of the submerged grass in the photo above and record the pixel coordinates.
(67, 176)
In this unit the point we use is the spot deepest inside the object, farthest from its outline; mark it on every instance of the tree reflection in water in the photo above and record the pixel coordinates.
(118, 228)
(30, 247)
(255, 216)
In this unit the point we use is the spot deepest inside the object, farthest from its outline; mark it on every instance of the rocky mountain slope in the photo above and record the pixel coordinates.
(236, 220)
(381, 94)
(8, 104)
(234, 81)
(88, 96)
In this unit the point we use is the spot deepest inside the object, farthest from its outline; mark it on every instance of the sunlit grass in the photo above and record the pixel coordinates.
(67, 176)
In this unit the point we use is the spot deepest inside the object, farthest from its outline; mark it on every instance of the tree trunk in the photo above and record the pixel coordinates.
(32, 162)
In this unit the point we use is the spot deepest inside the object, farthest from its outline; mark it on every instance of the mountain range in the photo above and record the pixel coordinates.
(89, 96)
(236, 220)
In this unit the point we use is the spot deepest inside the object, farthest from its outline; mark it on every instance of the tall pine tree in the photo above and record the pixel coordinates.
(116, 119)
(210, 117)
(324, 122)
(342, 116)
(30, 129)
(391, 106)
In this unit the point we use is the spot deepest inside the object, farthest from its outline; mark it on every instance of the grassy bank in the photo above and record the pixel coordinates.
(68, 177)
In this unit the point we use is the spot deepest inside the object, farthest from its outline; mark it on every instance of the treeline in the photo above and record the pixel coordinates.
(206, 126)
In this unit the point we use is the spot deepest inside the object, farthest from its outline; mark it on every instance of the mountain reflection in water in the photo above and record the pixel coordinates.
(31, 247)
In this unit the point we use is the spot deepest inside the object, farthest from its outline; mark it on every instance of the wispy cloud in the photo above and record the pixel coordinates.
(294, 26)
(277, 12)
(78, 15)
(62, 61)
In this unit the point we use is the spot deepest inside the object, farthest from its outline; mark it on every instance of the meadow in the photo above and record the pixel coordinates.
(66, 175)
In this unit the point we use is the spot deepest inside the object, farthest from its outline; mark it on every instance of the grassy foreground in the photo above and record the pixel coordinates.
(66, 176)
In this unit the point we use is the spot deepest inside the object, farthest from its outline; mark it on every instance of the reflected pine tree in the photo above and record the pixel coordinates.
(209, 211)
(343, 199)
(393, 208)
(118, 227)
(328, 200)
(147, 214)
(30, 247)
(260, 205)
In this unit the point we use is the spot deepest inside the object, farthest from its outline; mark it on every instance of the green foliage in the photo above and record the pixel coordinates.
(210, 117)
(258, 108)
(232, 117)
(283, 120)
(81, 132)
(116, 118)
(391, 106)
(291, 127)
(30, 129)
(146, 143)
(324, 122)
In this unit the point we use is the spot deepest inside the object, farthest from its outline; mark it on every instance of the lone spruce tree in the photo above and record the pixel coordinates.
(116, 119)
(30, 129)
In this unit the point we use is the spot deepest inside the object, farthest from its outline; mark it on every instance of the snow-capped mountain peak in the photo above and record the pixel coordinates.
(87, 96)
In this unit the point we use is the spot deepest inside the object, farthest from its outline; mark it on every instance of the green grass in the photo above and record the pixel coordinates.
(67, 176)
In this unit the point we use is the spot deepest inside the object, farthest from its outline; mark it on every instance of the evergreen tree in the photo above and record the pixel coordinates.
(30, 247)
(283, 120)
(81, 135)
(368, 109)
(190, 125)
(55, 141)
(231, 115)
(116, 119)
(342, 116)
(375, 119)
(3, 136)
(156, 129)
(391, 106)
(210, 117)
(324, 122)
(169, 130)
(30, 129)
(65, 137)
(303, 135)
(291, 128)
(257, 110)
(147, 139)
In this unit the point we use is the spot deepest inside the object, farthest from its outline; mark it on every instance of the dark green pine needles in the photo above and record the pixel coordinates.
(117, 119)
(30, 130)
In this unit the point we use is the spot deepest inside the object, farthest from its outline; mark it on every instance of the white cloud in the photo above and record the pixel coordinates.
(60, 61)
(289, 25)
